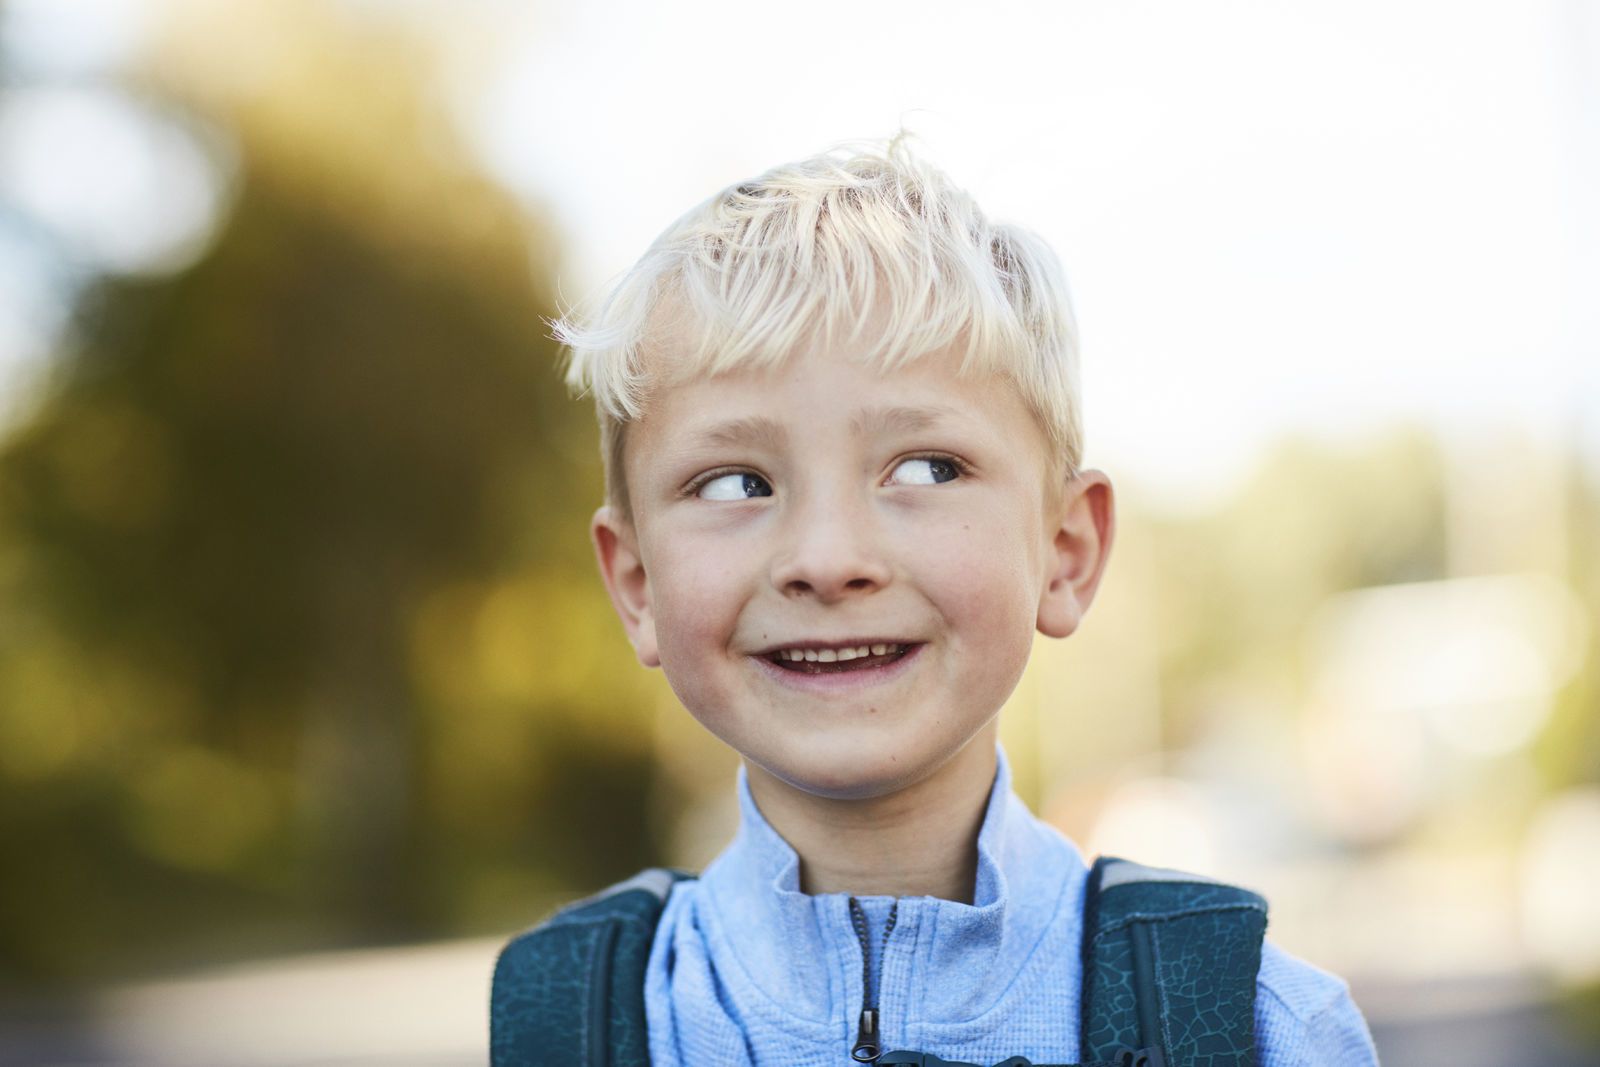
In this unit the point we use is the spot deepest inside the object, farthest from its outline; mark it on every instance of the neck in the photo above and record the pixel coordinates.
(921, 840)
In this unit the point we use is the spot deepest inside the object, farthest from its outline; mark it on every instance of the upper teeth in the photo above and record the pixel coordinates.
(830, 655)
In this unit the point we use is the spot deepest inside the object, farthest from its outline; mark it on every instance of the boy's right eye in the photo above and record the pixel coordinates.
(740, 486)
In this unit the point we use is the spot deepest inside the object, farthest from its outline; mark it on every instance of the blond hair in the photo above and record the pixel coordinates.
(817, 250)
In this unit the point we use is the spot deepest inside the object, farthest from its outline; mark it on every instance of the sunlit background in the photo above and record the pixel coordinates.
(309, 695)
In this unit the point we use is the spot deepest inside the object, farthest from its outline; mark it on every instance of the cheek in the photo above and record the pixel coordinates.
(696, 602)
(981, 575)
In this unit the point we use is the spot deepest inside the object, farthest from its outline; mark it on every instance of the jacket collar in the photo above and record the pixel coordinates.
(949, 960)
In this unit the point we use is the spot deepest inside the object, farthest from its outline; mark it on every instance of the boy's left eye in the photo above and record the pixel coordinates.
(924, 471)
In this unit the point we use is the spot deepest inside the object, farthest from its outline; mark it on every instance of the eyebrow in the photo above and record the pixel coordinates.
(764, 432)
(756, 430)
(900, 419)
(768, 433)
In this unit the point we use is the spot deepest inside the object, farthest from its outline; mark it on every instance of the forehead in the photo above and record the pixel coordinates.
(823, 393)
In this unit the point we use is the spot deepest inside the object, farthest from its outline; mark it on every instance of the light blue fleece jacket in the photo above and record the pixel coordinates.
(747, 969)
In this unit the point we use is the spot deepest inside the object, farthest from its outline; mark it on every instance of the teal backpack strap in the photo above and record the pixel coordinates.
(570, 991)
(1169, 968)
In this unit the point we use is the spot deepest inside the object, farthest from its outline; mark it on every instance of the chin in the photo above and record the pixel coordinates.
(853, 775)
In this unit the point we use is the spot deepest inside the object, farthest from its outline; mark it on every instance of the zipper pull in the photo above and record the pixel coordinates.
(1143, 1057)
(867, 1049)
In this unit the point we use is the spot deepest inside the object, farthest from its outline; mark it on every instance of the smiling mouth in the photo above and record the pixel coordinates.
(839, 659)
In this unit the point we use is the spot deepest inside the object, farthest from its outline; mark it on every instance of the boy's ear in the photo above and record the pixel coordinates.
(617, 547)
(1083, 526)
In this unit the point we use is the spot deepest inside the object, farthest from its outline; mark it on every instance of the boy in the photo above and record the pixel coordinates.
(839, 412)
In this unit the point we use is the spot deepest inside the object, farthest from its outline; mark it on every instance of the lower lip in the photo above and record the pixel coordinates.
(839, 681)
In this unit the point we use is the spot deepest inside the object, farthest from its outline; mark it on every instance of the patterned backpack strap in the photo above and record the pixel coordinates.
(1169, 968)
(571, 990)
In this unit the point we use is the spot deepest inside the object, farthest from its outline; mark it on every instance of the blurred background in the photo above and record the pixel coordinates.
(309, 693)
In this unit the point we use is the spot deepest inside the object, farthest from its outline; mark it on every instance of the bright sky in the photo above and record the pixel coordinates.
(1318, 215)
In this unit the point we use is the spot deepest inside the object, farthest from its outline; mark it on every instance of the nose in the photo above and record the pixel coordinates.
(832, 552)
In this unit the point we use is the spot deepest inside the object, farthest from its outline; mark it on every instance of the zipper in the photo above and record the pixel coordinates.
(869, 1045)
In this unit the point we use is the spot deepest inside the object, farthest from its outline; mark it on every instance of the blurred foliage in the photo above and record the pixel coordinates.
(1568, 750)
(1579, 1009)
(299, 641)
(1237, 585)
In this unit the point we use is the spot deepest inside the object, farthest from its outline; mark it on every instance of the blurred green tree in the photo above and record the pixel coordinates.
(298, 642)
(1312, 520)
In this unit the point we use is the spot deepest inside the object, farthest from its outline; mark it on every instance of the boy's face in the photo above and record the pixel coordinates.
(825, 506)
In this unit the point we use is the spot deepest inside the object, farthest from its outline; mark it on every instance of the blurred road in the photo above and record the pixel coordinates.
(413, 1006)
(1486, 1021)
(428, 1005)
